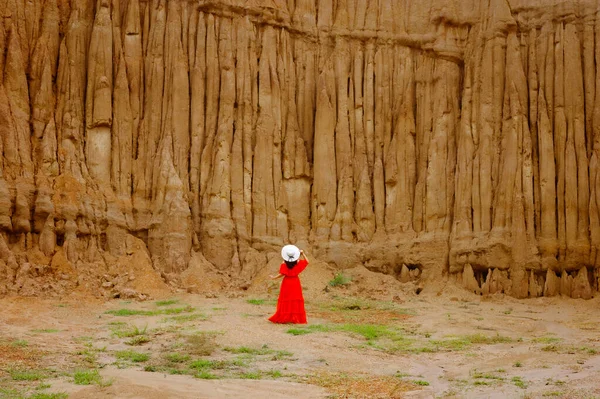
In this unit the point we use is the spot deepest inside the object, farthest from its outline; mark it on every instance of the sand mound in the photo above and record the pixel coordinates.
(201, 276)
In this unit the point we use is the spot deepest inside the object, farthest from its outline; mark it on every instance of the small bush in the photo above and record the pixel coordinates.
(138, 340)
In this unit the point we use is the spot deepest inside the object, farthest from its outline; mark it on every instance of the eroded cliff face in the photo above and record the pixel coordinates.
(429, 139)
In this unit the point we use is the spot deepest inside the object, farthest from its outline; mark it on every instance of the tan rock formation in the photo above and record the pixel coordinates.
(419, 139)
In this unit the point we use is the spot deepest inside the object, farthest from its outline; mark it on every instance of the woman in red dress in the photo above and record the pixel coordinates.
(290, 305)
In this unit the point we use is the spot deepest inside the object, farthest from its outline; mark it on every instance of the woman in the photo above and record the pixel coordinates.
(290, 305)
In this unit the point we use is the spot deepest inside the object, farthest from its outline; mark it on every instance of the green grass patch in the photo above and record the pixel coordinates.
(132, 356)
(46, 395)
(130, 331)
(339, 279)
(369, 331)
(138, 340)
(205, 364)
(205, 375)
(421, 382)
(518, 381)
(19, 343)
(251, 375)
(46, 330)
(87, 377)
(481, 382)
(274, 373)
(135, 312)
(264, 350)
(256, 301)
(177, 357)
(26, 375)
(10, 393)
(486, 376)
(546, 340)
(167, 302)
(311, 329)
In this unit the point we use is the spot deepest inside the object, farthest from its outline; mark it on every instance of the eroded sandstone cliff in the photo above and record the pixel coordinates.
(429, 139)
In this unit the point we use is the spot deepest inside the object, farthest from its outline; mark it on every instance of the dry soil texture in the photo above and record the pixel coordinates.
(223, 347)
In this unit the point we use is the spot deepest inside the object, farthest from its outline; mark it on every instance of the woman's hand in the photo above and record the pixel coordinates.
(302, 254)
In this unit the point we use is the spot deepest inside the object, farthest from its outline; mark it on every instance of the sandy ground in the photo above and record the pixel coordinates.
(452, 345)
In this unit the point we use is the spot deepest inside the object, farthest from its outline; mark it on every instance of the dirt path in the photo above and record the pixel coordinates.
(460, 346)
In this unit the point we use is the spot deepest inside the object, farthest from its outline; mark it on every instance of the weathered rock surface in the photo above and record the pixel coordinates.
(422, 139)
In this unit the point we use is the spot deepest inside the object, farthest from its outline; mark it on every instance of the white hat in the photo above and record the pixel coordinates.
(290, 253)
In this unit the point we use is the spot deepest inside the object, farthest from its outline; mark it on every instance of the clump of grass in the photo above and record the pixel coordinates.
(251, 375)
(486, 376)
(274, 373)
(369, 331)
(421, 382)
(264, 350)
(88, 355)
(206, 375)
(89, 377)
(19, 343)
(135, 312)
(26, 375)
(10, 393)
(205, 364)
(46, 395)
(551, 348)
(546, 340)
(138, 340)
(46, 330)
(339, 279)
(132, 356)
(518, 364)
(480, 382)
(131, 331)
(167, 302)
(518, 381)
(177, 357)
(552, 393)
(309, 329)
(256, 301)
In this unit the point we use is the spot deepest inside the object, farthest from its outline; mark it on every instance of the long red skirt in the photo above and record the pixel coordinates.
(290, 305)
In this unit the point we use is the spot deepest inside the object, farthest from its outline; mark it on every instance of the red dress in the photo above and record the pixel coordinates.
(290, 305)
